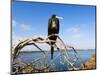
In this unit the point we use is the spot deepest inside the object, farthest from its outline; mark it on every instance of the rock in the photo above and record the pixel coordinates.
(90, 64)
(30, 69)
(27, 69)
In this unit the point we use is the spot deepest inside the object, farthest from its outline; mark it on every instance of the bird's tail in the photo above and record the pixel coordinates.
(52, 50)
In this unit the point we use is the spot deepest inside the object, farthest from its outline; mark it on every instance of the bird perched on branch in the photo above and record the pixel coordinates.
(53, 28)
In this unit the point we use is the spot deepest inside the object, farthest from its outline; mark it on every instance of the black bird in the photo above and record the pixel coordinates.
(53, 28)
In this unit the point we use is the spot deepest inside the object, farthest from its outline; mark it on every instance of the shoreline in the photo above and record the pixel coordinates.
(90, 64)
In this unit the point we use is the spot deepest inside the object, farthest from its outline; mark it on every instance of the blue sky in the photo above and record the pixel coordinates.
(77, 28)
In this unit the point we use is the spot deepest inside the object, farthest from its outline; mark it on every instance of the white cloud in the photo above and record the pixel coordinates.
(21, 26)
(73, 29)
(25, 27)
(75, 33)
(77, 36)
(14, 23)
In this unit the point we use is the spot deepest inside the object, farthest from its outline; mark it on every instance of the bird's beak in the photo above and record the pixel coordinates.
(59, 17)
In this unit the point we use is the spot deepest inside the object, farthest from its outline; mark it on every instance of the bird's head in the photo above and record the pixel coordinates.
(53, 16)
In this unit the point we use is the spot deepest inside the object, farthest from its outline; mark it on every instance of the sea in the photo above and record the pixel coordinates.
(29, 57)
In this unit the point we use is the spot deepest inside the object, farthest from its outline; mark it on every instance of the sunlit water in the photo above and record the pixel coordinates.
(28, 57)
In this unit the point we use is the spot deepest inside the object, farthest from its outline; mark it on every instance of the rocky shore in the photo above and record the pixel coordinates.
(90, 64)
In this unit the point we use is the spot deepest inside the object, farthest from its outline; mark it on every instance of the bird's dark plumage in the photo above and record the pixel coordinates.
(53, 28)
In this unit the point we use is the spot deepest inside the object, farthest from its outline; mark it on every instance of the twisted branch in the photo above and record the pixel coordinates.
(35, 41)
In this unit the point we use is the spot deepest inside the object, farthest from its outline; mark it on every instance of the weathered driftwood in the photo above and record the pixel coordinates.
(34, 42)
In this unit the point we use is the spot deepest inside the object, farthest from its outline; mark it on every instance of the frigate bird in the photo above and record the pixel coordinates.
(53, 28)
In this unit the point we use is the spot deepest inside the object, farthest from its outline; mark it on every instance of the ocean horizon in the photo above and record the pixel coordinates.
(54, 50)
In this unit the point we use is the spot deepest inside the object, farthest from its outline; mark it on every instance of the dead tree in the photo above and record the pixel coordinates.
(35, 41)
